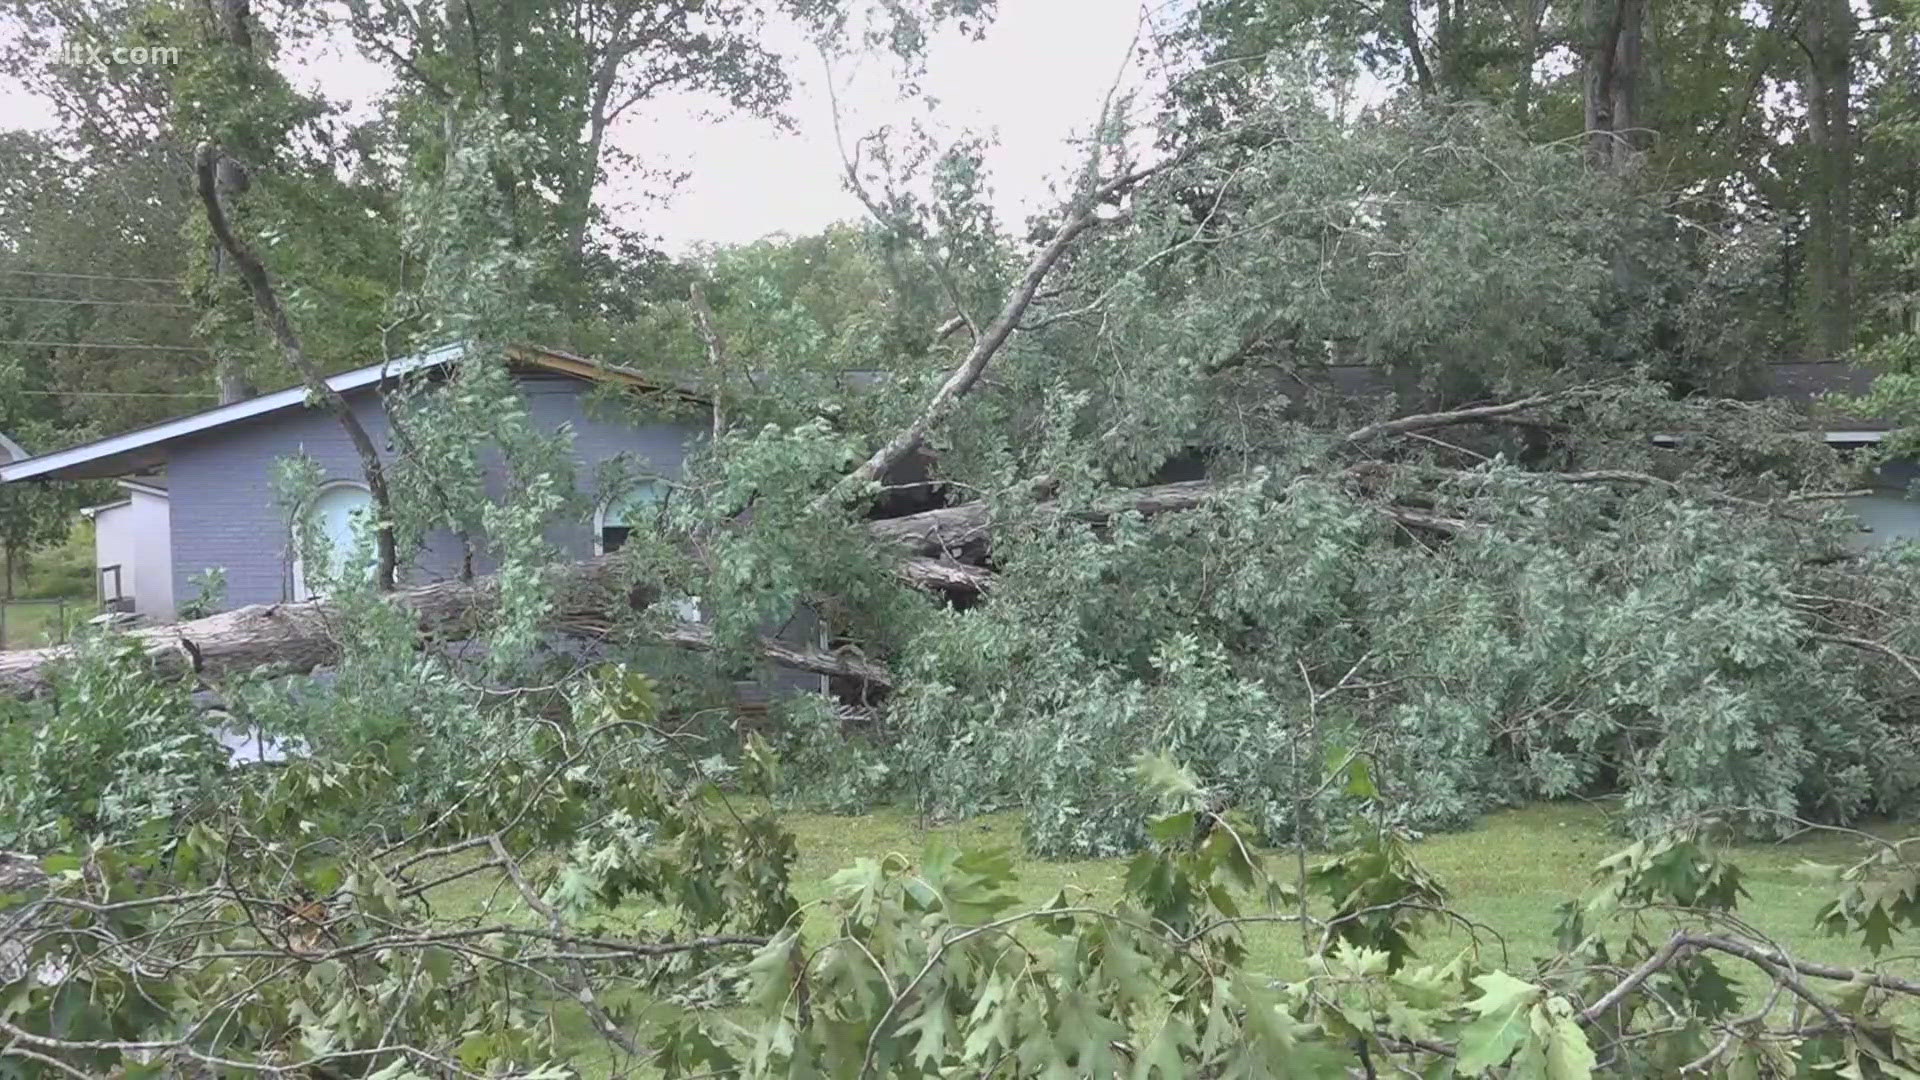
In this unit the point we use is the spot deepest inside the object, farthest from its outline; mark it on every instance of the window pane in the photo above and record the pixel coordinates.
(335, 512)
(635, 507)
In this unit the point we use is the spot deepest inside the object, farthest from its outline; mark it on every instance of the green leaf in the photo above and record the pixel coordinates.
(1712, 993)
(1503, 1022)
(1564, 1043)
(1360, 779)
(1172, 827)
(1165, 777)
(935, 1025)
(1165, 1051)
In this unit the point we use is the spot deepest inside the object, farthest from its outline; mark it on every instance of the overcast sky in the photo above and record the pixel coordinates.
(1036, 80)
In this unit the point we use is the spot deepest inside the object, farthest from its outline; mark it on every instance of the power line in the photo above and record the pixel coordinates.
(94, 277)
(89, 300)
(103, 345)
(115, 393)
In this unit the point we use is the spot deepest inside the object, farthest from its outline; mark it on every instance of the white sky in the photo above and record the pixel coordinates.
(1036, 80)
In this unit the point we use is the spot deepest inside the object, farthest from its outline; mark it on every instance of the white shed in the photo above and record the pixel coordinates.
(133, 551)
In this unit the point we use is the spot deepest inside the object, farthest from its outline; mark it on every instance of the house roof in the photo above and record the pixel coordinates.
(1802, 384)
(144, 450)
(10, 450)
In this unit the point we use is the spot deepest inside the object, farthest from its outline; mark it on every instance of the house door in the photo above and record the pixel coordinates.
(335, 511)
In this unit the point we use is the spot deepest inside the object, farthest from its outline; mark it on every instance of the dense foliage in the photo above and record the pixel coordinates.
(1312, 475)
(595, 892)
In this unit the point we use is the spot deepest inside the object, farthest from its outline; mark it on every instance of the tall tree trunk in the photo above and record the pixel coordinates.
(232, 380)
(1613, 73)
(1449, 65)
(1786, 263)
(233, 25)
(1531, 13)
(1828, 40)
(1408, 26)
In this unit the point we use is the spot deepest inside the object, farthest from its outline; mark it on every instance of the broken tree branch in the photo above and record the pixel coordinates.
(1083, 216)
(254, 272)
(1869, 645)
(1423, 421)
(966, 527)
(716, 351)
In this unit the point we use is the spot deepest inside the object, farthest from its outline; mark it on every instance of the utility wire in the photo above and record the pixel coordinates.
(90, 300)
(115, 393)
(93, 277)
(103, 345)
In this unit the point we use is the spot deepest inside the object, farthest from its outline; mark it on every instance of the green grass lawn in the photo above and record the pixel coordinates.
(1510, 872)
(30, 624)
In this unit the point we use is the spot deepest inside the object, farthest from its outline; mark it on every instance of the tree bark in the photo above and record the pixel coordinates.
(1531, 14)
(716, 354)
(963, 530)
(1409, 29)
(1828, 42)
(234, 21)
(1613, 63)
(300, 637)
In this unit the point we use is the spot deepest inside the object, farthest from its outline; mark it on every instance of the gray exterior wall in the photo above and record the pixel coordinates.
(225, 514)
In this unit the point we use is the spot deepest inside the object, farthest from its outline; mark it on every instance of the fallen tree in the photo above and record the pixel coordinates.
(298, 637)
(939, 552)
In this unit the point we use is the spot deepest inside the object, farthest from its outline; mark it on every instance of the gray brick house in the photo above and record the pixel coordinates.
(210, 475)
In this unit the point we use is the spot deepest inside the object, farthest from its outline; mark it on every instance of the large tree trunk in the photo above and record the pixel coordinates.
(233, 31)
(588, 598)
(1829, 38)
(1531, 13)
(300, 637)
(1613, 63)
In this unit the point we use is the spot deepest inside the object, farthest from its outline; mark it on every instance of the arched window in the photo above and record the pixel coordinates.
(334, 512)
(618, 517)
